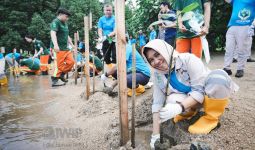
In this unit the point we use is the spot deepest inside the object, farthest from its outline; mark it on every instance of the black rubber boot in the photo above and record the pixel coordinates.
(45, 73)
(228, 71)
(62, 77)
(250, 60)
(54, 81)
(239, 73)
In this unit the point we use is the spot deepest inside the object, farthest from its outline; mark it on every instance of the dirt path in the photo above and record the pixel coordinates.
(99, 122)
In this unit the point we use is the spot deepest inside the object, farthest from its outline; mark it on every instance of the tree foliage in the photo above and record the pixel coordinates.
(19, 18)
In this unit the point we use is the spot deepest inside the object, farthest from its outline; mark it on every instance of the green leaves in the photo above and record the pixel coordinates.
(190, 7)
(19, 18)
(38, 27)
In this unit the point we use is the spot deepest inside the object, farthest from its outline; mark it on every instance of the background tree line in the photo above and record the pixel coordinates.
(22, 17)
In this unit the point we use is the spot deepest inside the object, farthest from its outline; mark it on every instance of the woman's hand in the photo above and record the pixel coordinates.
(169, 111)
(182, 27)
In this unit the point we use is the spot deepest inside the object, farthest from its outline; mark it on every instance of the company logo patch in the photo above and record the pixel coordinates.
(244, 14)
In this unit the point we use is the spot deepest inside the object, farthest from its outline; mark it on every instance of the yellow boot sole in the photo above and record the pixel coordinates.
(203, 126)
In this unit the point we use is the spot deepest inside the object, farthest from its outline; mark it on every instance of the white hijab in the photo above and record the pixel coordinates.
(164, 49)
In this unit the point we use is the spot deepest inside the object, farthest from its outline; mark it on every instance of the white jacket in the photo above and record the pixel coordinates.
(190, 71)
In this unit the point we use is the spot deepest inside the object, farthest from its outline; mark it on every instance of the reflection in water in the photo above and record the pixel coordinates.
(22, 111)
(25, 120)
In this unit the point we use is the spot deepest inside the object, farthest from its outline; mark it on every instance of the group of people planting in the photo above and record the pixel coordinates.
(61, 51)
(182, 84)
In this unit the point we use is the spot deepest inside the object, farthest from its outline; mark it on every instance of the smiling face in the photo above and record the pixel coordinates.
(156, 60)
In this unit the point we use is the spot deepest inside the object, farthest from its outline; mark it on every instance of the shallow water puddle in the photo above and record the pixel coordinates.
(22, 112)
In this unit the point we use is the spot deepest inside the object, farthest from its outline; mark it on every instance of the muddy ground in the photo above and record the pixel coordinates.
(98, 118)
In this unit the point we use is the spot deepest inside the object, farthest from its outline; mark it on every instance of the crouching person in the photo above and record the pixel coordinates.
(191, 85)
(12, 60)
(41, 51)
(142, 73)
(30, 66)
(3, 78)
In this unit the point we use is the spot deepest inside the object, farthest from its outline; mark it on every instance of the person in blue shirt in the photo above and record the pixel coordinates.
(131, 40)
(170, 29)
(153, 33)
(106, 33)
(81, 46)
(142, 73)
(12, 59)
(142, 39)
(243, 14)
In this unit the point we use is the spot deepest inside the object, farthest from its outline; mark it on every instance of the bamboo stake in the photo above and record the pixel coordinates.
(133, 95)
(90, 20)
(75, 57)
(121, 67)
(93, 55)
(86, 38)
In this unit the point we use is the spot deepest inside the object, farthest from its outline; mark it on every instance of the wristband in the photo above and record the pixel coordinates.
(106, 74)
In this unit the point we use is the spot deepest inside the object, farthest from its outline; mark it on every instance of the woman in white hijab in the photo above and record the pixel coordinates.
(184, 87)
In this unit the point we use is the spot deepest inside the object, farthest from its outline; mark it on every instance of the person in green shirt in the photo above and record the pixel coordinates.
(59, 43)
(40, 50)
(192, 25)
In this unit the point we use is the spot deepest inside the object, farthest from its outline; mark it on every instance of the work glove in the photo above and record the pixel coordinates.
(103, 77)
(154, 138)
(169, 111)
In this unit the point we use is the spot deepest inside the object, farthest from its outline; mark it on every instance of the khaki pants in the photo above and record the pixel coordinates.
(237, 39)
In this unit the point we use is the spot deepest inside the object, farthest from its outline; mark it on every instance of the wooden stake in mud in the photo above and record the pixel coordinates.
(90, 20)
(93, 55)
(86, 38)
(78, 37)
(75, 57)
(121, 67)
(133, 95)
(15, 68)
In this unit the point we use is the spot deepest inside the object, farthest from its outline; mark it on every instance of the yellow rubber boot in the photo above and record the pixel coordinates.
(187, 115)
(138, 91)
(213, 108)
(109, 66)
(3, 81)
(16, 71)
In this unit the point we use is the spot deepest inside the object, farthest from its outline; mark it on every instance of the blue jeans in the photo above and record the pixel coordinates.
(140, 79)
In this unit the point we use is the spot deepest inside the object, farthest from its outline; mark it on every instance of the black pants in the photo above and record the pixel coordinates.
(109, 51)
